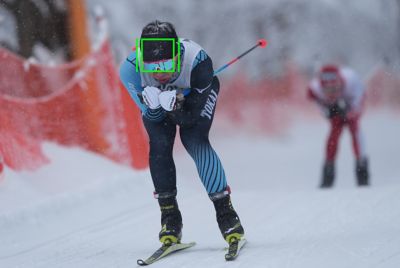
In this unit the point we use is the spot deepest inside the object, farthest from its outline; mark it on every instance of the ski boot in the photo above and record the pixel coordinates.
(362, 173)
(227, 218)
(328, 174)
(171, 218)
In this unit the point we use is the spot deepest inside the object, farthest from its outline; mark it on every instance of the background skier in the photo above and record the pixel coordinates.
(340, 94)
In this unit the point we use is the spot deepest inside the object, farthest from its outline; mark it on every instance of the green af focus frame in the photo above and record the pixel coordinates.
(139, 60)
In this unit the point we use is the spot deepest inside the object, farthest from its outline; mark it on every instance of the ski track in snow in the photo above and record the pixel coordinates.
(113, 220)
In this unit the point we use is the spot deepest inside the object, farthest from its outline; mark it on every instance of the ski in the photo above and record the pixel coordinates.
(234, 248)
(163, 251)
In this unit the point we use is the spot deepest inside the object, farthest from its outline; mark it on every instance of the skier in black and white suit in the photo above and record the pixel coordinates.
(186, 99)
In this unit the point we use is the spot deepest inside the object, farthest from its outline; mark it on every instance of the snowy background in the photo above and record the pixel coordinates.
(361, 33)
(83, 210)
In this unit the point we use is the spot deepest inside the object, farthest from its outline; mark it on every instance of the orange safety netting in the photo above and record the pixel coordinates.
(79, 104)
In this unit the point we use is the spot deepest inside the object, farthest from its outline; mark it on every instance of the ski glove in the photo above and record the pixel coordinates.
(339, 108)
(168, 100)
(150, 97)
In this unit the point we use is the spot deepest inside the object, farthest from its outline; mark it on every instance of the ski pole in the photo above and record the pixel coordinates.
(261, 43)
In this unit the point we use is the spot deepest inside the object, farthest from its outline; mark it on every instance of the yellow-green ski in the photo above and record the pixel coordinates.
(163, 251)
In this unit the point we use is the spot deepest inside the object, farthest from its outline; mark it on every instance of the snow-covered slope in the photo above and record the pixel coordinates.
(85, 211)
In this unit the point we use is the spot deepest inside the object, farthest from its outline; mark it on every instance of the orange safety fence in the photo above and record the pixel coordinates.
(81, 103)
